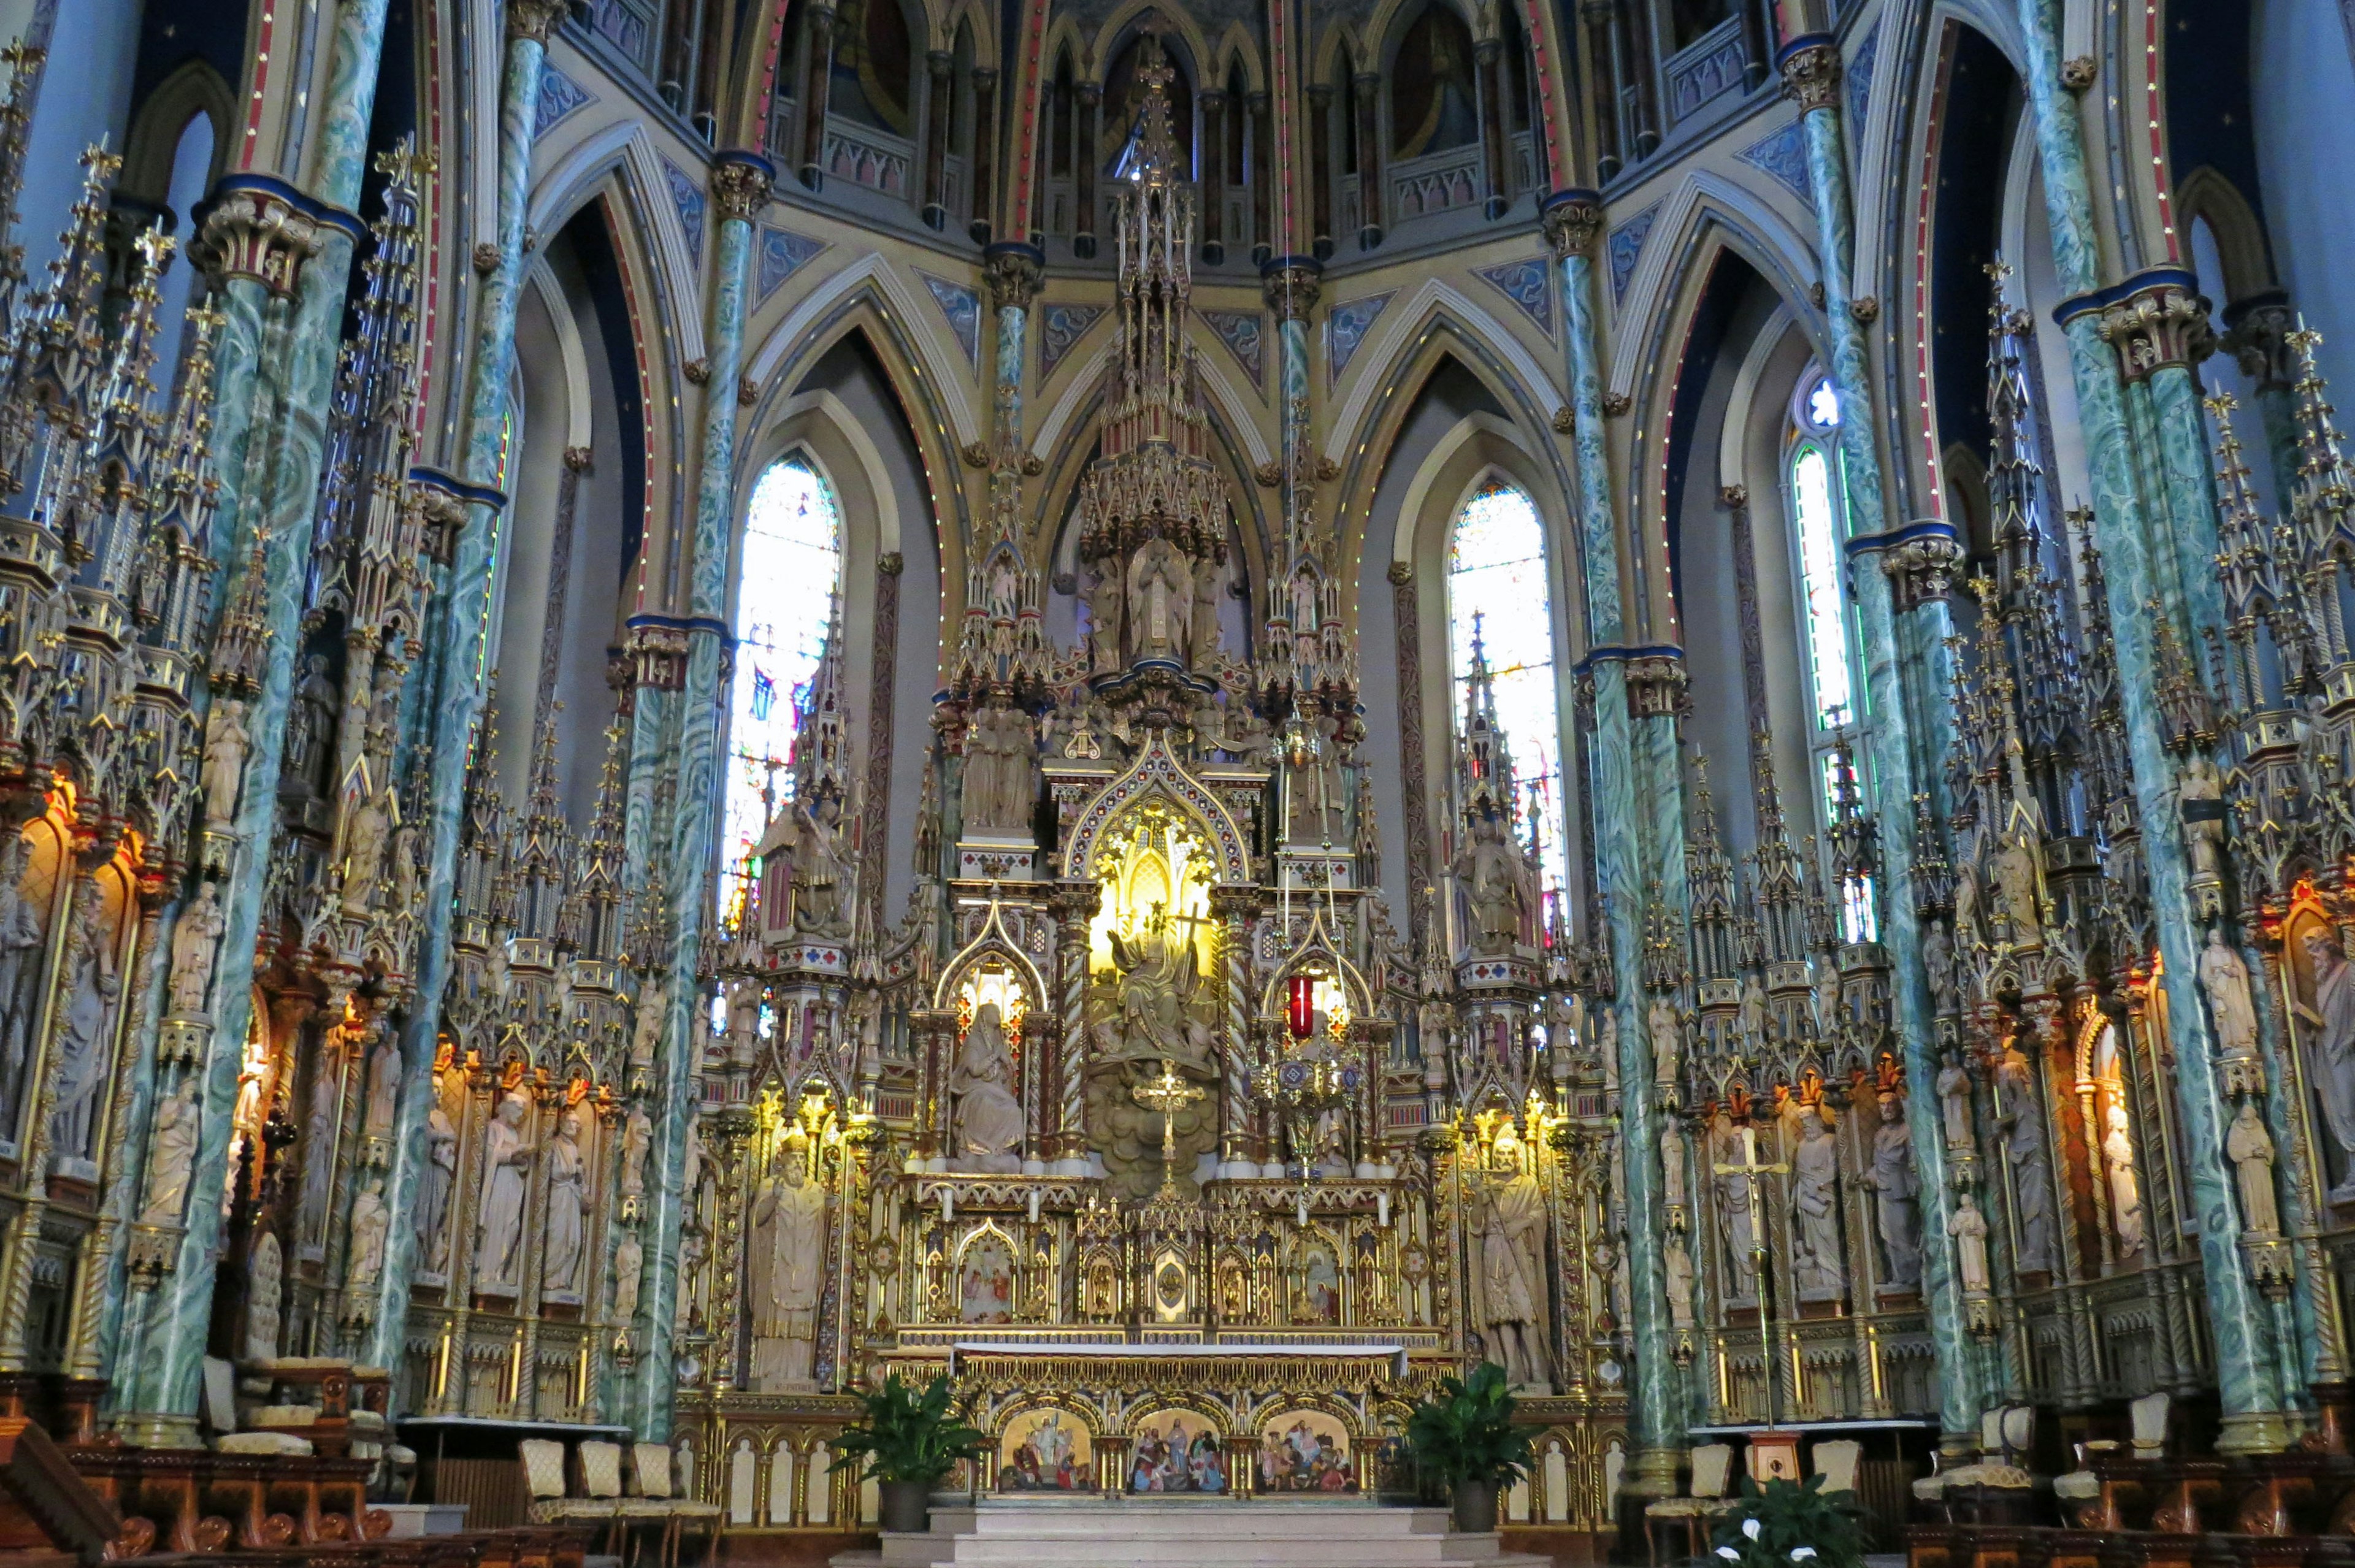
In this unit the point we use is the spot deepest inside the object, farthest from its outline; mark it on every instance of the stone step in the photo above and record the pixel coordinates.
(1189, 1534)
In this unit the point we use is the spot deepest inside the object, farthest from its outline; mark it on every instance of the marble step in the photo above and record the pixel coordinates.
(1189, 1534)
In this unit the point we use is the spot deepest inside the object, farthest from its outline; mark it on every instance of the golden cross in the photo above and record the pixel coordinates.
(1167, 1095)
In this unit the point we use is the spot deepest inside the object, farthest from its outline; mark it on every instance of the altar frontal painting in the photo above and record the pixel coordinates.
(1176, 1450)
(1045, 1451)
(1305, 1451)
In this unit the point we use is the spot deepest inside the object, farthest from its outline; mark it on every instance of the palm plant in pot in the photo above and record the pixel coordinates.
(909, 1442)
(1465, 1437)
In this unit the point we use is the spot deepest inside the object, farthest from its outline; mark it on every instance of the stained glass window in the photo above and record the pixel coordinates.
(1817, 527)
(791, 566)
(1497, 589)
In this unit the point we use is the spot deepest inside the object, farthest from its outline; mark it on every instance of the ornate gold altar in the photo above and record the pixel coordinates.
(1148, 1125)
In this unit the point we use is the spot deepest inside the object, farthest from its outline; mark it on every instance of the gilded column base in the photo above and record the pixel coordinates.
(139, 1429)
(2255, 1432)
(1653, 1473)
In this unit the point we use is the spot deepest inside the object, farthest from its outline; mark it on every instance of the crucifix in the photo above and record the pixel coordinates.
(1167, 1095)
(1749, 1168)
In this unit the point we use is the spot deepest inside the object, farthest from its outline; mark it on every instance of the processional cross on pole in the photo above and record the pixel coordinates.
(1167, 1095)
(1749, 1168)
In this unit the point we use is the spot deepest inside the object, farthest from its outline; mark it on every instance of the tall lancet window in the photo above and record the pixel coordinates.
(789, 574)
(1817, 529)
(1498, 593)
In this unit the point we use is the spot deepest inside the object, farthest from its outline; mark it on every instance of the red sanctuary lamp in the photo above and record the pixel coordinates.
(1300, 1006)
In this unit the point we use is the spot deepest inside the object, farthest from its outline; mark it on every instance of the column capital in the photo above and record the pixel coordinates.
(2156, 319)
(1921, 566)
(1656, 684)
(940, 63)
(1810, 65)
(534, 19)
(1290, 285)
(741, 183)
(1572, 219)
(259, 228)
(1015, 270)
(2257, 333)
(657, 649)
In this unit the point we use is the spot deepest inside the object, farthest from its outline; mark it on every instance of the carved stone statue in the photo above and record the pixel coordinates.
(2332, 1019)
(1736, 1225)
(2225, 978)
(568, 1205)
(789, 1222)
(1968, 1226)
(2125, 1191)
(2012, 868)
(194, 937)
(1496, 886)
(637, 1138)
(1154, 999)
(310, 726)
(629, 1271)
(1828, 1015)
(383, 1084)
(647, 1023)
(1512, 1276)
(988, 1115)
(507, 1155)
(1751, 1022)
(2022, 1121)
(2200, 791)
(371, 1221)
(1678, 1265)
(265, 1277)
(1897, 1210)
(318, 1155)
(21, 932)
(1161, 601)
(226, 743)
(1938, 959)
(368, 829)
(821, 869)
(1366, 837)
(1955, 1100)
(1665, 1027)
(1104, 615)
(1208, 575)
(1672, 1170)
(1318, 800)
(1001, 772)
(434, 1186)
(1814, 1201)
(84, 1032)
(171, 1156)
(2250, 1147)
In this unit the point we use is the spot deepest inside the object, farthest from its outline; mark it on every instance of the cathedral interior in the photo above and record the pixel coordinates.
(1196, 709)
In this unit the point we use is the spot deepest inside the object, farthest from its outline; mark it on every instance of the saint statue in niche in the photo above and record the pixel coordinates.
(1512, 1220)
(1497, 886)
(789, 1219)
(2250, 1147)
(1161, 601)
(1815, 1200)
(507, 1154)
(1736, 1224)
(1899, 1208)
(568, 1207)
(88, 998)
(2031, 1171)
(2126, 1192)
(2330, 1016)
(22, 930)
(981, 1084)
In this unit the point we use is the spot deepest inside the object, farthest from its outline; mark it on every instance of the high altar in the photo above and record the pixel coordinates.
(1128, 1130)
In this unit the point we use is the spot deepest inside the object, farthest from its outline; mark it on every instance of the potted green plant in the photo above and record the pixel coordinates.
(908, 1441)
(1465, 1437)
(1791, 1524)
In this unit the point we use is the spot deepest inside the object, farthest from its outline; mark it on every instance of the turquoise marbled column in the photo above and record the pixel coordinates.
(1895, 768)
(1290, 285)
(459, 697)
(1572, 219)
(161, 1390)
(1014, 271)
(740, 185)
(2159, 328)
(2245, 1364)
